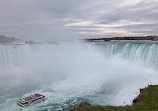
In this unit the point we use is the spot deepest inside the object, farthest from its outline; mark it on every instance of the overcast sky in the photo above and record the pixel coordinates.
(78, 18)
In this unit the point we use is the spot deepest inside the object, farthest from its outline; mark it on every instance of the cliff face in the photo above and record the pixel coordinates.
(4, 39)
(147, 100)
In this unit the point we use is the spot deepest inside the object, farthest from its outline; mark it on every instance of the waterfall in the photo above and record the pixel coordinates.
(12, 56)
(146, 53)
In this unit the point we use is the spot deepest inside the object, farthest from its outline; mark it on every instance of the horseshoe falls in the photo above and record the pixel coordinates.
(145, 53)
(68, 73)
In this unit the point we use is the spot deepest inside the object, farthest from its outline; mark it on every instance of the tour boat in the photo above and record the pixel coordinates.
(31, 99)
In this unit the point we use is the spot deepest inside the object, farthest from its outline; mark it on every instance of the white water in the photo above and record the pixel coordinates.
(71, 72)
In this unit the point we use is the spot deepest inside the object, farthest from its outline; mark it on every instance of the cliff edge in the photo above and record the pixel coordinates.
(147, 100)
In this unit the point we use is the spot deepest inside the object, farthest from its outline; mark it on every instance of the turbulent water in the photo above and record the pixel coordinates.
(68, 73)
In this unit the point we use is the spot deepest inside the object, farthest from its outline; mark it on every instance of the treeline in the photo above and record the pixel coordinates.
(123, 38)
(4, 39)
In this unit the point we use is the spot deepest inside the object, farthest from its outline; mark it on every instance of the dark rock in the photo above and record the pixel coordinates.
(84, 104)
(141, 90)
(135, 101)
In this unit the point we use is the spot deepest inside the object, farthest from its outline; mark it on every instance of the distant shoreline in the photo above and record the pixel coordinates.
(4, 39)
(153, 38)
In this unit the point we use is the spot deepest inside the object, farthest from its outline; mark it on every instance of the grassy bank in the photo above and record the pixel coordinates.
(147, 100)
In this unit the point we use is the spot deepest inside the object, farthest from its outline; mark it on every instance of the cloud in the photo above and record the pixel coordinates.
(124, 18)
(50, 18)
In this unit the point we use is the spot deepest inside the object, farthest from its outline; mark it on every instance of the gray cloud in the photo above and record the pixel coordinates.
(61, 18)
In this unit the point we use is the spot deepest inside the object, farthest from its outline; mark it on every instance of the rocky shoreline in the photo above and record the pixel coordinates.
(147, 100)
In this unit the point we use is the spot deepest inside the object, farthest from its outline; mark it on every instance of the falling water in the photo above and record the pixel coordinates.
(146, 53)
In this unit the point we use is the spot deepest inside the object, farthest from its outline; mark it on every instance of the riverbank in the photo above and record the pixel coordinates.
(147, 100)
